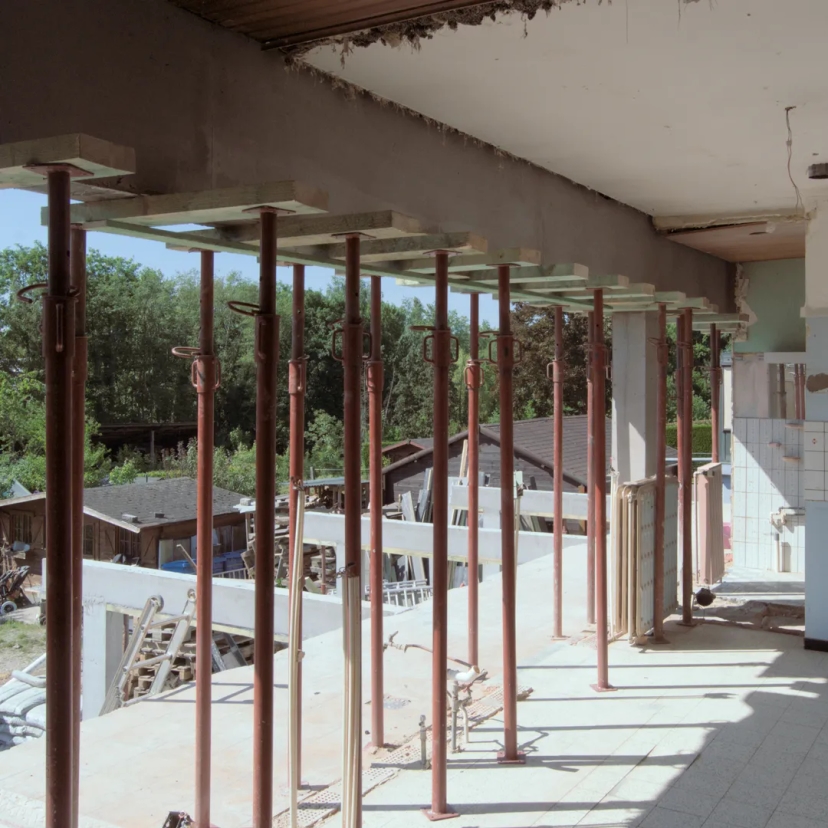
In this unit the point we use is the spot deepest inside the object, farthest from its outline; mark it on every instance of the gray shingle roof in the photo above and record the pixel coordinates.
(174, 498)
(536, 436)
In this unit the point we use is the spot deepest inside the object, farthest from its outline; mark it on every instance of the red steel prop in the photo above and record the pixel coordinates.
(715, 385)
(599, 474)
(558, 369)
(77, 264)
(205, 380)
(352, 336)
(296, 390)
(474, 376)
(505, 344)
(375, 383)
(684, 410)
(267, 359)
(590, 473)
(441, 358)
(799, 391)
(661, 455)
(58, 352)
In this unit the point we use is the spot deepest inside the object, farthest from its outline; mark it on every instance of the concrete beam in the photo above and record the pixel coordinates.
(206, 108)
(532, 503)
(417, 539)
(127, 589)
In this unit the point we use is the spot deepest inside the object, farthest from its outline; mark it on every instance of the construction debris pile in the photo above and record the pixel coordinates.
(23, 705)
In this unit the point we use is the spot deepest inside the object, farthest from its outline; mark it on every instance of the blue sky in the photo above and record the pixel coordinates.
(20, 224)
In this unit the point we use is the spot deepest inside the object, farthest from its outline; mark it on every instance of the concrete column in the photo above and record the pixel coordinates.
(816, 426)
(634, 379)
(755, 387)
(103, 647)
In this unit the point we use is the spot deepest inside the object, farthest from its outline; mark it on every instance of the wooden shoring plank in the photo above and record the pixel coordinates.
(412, 247)
(205, 207)
(547, 274)
(174, 241)
(615, 296)
(465, 283)
(697, 302)
(607, 283)
(488, 261)
(308, 231)
(101, 159)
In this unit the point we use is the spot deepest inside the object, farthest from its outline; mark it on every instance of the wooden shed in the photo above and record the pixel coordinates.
(147, 523)
(406, 475)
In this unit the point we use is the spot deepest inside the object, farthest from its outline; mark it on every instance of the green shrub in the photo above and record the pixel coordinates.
(702, 437)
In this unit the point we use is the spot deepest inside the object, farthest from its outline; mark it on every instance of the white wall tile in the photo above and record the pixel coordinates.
(813, 426)
(814, 442)
(765, 431)
(752, 430)
(814, 494)
(814, 461)
(792, 482)
(814, 480)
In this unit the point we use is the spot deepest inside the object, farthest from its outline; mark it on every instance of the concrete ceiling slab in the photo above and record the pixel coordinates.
(674, 108)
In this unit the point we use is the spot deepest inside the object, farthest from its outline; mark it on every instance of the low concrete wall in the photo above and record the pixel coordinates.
(416, 539)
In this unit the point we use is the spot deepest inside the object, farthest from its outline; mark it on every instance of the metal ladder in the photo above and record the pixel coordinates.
(129, 663)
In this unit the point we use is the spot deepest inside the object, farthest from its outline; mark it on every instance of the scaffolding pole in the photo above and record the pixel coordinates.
(267, 358)
(474, 376)
(441, 341)
(77, 265)
(375, 386)
(204, 373)
(558, 371)
(684, 409)
(590, 472)
(296, 450)
(58, 351)
(715, 385)
(352, 335)
(599, 476)
(505, 344)
(661, 461)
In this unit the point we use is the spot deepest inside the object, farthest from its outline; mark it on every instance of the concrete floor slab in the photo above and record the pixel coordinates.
(721, 723)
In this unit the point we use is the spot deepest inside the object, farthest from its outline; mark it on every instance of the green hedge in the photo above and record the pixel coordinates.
(702, 437)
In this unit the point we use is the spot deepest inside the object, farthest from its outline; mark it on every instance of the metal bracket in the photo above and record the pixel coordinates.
(54, 312)
(337, 332)
(297, 378)
(243, 308)
(517, 348)
(433, 335)
(199, 370)
(473, 374)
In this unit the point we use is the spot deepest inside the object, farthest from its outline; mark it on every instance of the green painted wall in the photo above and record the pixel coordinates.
(775, 294)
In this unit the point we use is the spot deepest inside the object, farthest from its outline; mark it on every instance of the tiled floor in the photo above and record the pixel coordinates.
(725, 728)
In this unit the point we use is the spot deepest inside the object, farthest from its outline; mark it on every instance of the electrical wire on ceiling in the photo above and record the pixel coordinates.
(800, 205)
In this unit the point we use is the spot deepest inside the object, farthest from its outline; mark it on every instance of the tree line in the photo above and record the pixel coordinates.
(136, 315)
